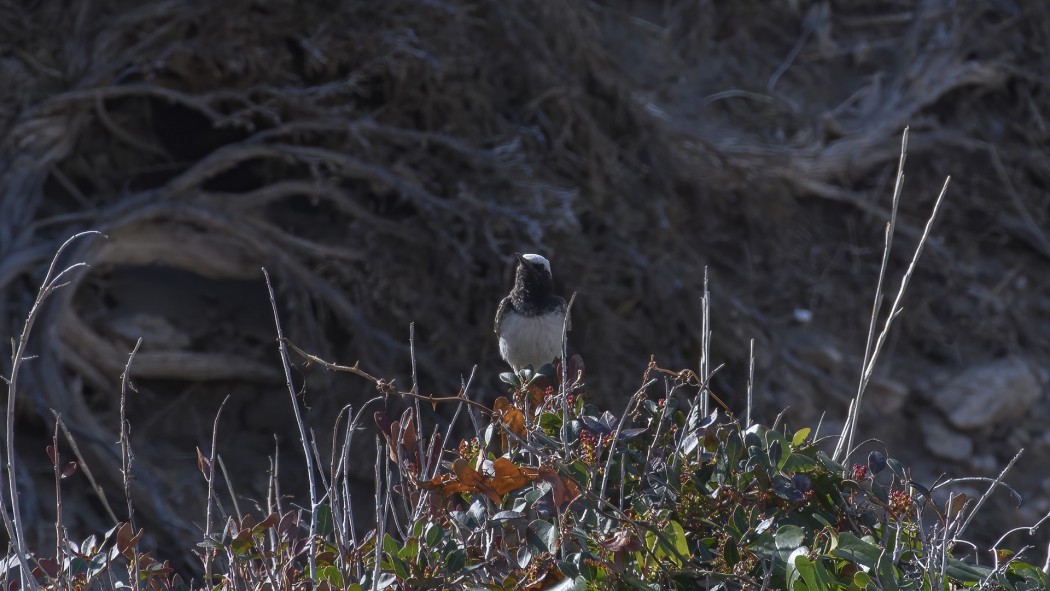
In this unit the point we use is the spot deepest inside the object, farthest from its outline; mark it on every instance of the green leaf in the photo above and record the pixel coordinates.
(325, 522)
(829, 463)
(856, 550)
(886, 573)
(550, 422)
(331, 574)
(966, 573)
(730, 553)
(785, 488)
(798, 462)
(1032, 575)
(897, 468)
(542, 536)
(738, 522)
(789, 537)
(455, 561)
(776, 453)
(410, 550)
(390, 545)
(815, 576)
(241, 545)
(433, 534)
(797, 561)
(800, 436)
(861, 579)
(675, 534)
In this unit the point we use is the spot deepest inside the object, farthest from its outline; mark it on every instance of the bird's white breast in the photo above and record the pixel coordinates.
(531, 340)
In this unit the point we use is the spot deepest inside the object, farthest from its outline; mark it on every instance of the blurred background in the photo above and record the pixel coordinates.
(383, 160)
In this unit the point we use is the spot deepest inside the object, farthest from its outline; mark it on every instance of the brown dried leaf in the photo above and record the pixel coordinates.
(510, 477)
(565, 490)
(955, 505)
(509, 416)
(126, 538)
(621, 540)
(203, 464)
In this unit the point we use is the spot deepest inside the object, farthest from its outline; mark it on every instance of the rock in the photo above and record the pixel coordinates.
(886, 394)
(984, 465)
(945, 443)
(986, 394)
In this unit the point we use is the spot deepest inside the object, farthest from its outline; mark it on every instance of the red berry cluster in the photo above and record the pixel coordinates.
(858, 473)
(591, 446)
(899, 504)
(468, 450)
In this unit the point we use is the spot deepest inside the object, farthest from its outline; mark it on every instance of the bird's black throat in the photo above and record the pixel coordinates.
(533, 293)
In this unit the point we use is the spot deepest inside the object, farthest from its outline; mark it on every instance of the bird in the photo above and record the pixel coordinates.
(531, 319)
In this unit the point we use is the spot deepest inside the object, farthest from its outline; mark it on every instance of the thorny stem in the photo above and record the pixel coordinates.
(387, 388)
(564, 394)
(126, 458)
(302, 428)
(208, 551)
(13, 524)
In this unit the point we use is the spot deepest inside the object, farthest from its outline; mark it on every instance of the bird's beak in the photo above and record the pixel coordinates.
(521, 258)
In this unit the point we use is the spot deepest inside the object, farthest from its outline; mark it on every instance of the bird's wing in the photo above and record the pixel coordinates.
(504, 306)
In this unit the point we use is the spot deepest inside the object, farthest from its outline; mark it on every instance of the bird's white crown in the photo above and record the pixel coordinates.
(535, 258)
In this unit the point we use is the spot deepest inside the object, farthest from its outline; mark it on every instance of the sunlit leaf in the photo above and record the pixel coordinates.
(800, 436)
(542, 536)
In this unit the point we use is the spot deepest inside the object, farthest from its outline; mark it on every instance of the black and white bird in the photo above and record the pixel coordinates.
(529, 321)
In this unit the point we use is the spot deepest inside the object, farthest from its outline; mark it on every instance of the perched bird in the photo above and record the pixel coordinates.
(530, 320)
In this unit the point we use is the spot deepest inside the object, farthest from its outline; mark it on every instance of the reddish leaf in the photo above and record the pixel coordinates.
(242, 542)
(545, 580)
(403, 441)
(50, 566)
(466, 474)
(383, 422)
(565, 490)
(51, 453)
(407, 434)
(271, 520)
(505, 477)
(68, 470)
(126, 538)
(621, 540)
(435, 452)
(956, 505)
(508, 477)
(203, 464)
(509, 416)
(576, 368)
(289, 524)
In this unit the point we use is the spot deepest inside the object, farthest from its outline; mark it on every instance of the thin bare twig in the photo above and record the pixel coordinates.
(312, 545)
(387, 388)
(872, 350)
(126, 459)
(564, 392)
(208, 551)
(13, 523)
(83, 467)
